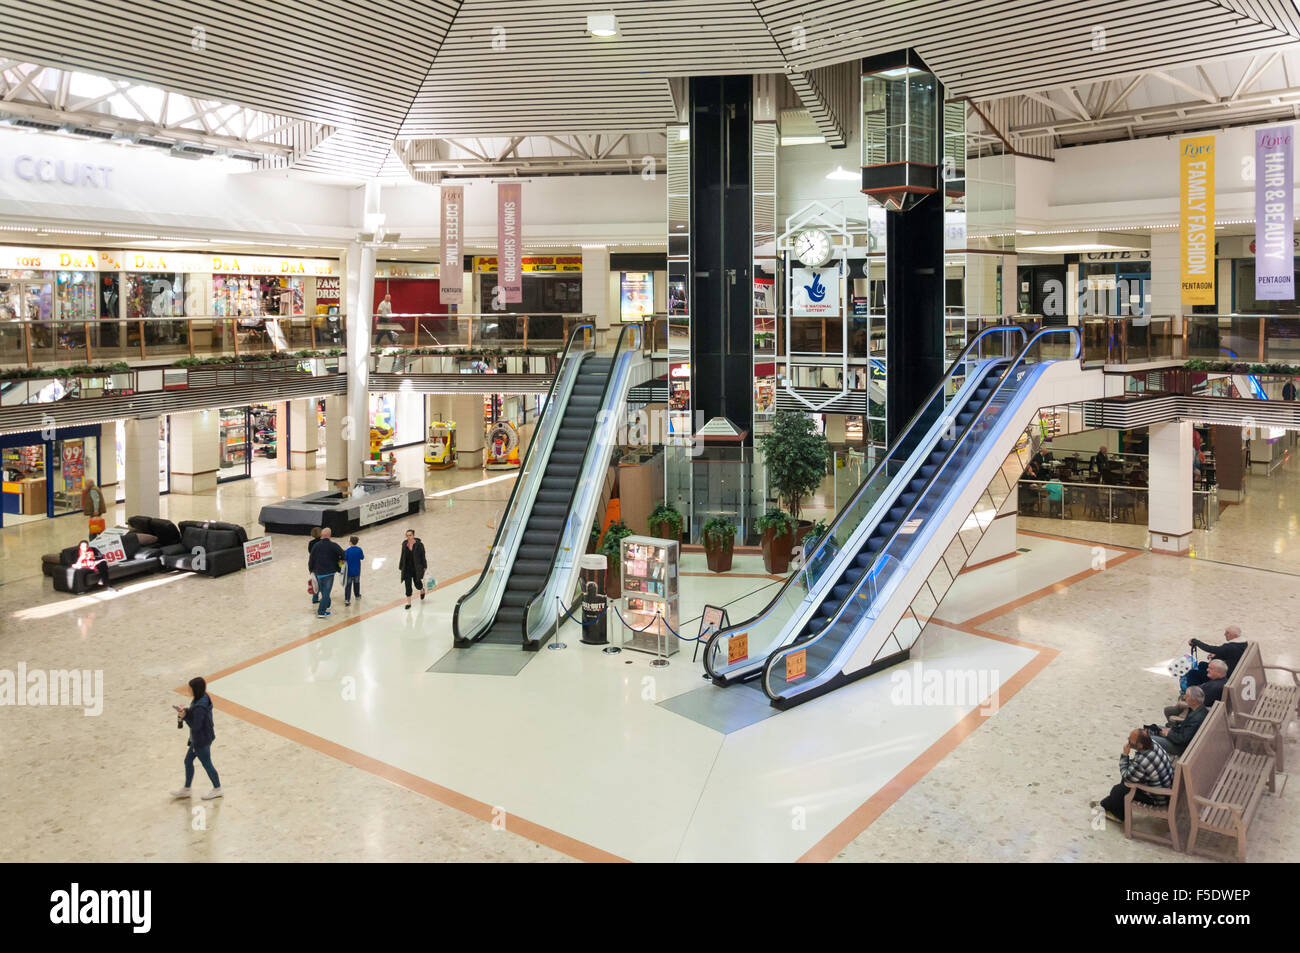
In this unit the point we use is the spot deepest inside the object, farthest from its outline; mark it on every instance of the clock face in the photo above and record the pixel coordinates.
(813, 247)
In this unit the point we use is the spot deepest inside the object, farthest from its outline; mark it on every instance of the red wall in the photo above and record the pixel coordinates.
(410, 295)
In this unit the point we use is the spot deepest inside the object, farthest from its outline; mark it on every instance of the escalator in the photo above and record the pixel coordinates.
(533, 561)
(876, 576)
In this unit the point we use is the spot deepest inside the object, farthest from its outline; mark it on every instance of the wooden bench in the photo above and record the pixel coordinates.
(1167, 812)
(1259, 707)
(1222, 781)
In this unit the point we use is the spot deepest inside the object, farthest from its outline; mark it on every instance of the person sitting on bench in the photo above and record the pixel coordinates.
(1177, 735)
(1211, 688)
(1142, 763)
(1231, 651)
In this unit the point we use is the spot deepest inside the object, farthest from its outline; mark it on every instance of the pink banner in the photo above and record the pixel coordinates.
(510, 210)
(452, 270)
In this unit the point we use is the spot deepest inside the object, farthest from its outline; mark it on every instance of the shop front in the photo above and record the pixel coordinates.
(551, 285)
(45, 473)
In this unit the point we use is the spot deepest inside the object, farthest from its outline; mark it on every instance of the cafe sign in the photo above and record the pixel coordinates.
(406, 269)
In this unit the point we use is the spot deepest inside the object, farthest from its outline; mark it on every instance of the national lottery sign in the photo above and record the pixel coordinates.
(376, 509)
(257, 551)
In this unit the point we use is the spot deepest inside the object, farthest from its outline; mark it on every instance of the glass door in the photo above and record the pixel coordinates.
(24, 485)
(234, 457)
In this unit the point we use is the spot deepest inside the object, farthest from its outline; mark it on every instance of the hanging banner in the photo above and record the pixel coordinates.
(510, 279)
(1274, 252)
(1196, 218)
(452, 268)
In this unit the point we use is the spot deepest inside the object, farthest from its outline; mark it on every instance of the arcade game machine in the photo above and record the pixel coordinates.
(502, 449)
(440, 448)
(381, 434)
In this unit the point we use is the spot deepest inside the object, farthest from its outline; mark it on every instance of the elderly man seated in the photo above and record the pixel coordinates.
(1231, 651)
(1142, 762)
(1211, 689)
(1177, 734)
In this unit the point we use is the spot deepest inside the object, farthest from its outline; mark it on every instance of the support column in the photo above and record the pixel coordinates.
(336, 443)
(595, 289)
(195, 457)
(141, 453)
(301, 416)
(1170, 494)
(468, 414)
(914, 342)
(360, 300)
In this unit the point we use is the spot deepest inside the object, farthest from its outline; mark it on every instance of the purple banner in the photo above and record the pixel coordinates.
(450, 275)
(1274, 252)
(510, 208)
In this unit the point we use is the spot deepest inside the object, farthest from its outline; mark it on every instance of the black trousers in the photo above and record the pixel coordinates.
(1113, 803)
(412, 581)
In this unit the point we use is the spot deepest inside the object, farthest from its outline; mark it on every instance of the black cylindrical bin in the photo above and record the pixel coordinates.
(595, 618)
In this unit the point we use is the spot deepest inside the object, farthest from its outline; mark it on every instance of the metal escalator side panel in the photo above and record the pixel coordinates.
(476, 611)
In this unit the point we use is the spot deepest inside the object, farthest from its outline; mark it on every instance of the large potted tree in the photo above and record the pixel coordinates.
(665, 522)
(777, 537)
(718, 537)
(795, 455)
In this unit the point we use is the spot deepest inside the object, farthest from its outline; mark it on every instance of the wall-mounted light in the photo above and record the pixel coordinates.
(603, 25)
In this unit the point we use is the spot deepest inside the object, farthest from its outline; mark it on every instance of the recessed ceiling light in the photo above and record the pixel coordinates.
(839, 172)
(602, 24)
(802, 140)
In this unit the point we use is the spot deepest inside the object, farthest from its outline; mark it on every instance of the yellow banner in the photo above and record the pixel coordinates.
(1196, 218)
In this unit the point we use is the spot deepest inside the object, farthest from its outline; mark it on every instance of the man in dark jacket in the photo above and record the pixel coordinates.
(1231, 651)
(323, 560)
(1177, 735)
(412, 564)
(199, 717)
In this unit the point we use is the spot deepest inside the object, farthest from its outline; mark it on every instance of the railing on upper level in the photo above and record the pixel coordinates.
(494, 330)
(27, 342)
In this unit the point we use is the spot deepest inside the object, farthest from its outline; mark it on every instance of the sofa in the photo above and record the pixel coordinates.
(141, 560)
(164, 532)
(208, 547)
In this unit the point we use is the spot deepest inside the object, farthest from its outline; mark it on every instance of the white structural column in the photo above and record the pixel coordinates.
(1165, 288)
(596, 288)
(195, 451)
(1169, 502)
(360, 299)
(1010, 284)
(467, 411)
(141, 453)
(336, 445)
(303, 439)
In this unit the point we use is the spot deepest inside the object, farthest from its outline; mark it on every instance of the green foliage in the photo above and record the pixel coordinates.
(795, 456)
(1241, 367)
(774, 519)
(663, 513)
(718, 532)
(817, 532)
(611, 546)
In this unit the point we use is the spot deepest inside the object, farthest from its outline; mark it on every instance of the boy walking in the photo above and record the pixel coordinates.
(353, 556)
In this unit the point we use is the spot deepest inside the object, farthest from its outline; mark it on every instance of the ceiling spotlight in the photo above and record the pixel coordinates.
(842, 173)
(602, 24)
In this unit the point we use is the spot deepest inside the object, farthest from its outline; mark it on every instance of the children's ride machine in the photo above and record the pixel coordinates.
(440, 448)
(502, 448)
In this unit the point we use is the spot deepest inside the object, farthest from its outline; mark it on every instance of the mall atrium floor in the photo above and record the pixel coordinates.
(582, 755)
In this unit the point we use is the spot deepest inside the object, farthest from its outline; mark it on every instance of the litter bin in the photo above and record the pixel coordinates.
(595, 618)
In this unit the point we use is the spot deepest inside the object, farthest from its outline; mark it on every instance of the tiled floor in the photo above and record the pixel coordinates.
(343, 747)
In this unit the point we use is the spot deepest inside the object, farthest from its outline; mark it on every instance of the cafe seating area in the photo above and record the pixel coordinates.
(1081, 487)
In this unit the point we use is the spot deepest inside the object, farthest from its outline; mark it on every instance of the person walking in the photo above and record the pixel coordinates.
(413, 565)
(384, 335)
(94, 507)
(311, 544)
(199, 717)
(352, 583)
(324, 561)
(1289, 390)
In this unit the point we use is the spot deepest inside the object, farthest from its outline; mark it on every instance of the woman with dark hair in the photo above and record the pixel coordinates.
(199, 717)
(413, 564)
(88, 557)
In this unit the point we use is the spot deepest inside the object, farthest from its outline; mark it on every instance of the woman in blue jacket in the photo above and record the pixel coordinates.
(199, 717)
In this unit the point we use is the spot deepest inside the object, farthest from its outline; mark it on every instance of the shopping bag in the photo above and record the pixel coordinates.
(311, 585)
(430, 583)
(96, 525)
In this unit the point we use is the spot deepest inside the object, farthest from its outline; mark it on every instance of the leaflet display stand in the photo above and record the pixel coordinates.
(648, 568)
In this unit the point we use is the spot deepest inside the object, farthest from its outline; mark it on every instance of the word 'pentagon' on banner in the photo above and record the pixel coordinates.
(1196, 219)
(452, 268)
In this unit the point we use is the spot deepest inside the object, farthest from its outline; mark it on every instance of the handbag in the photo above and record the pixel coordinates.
(311, 585)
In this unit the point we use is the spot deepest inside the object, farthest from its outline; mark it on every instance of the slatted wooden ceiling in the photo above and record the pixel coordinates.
(430, 67)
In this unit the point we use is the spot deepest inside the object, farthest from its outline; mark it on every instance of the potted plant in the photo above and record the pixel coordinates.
(795, 455)
(777, 537)
(718, 536)
(665, 522)
(612, 549)
(594, 541)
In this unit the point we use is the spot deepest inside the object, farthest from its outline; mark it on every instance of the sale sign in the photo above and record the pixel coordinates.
(738, 648)
(1274, 247)
(110, 544)
(1196, 218)
(257, 551)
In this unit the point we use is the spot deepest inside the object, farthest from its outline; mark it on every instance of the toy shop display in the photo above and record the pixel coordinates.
(440, 448)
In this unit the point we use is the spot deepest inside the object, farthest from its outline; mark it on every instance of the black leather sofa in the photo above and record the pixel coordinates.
(208, 547)
(140, 561)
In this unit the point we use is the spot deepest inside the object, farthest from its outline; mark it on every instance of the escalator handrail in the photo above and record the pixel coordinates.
(784, 650)
(549, 407)
(577, 482)
(866, 481)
